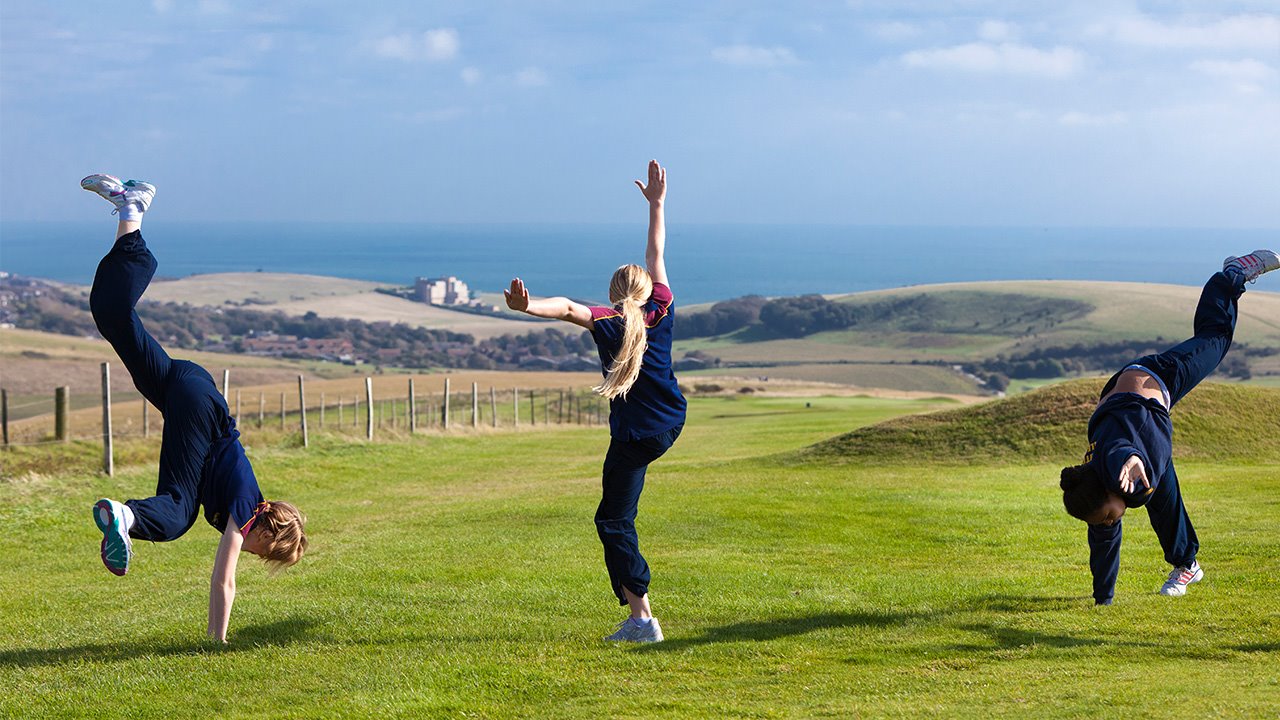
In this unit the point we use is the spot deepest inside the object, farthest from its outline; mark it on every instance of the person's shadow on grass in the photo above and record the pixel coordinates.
(248, 637)
(779, 627)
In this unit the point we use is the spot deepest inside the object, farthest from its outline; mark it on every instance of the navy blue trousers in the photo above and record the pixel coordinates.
(1181, 367)
(195, 413)
(623, 479)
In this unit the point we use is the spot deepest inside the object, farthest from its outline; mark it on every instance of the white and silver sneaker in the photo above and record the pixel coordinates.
(637, 631)
(1180, 578)
(1253, 264)
(120, 194)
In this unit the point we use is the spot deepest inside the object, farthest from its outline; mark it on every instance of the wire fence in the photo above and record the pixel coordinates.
(380, 408)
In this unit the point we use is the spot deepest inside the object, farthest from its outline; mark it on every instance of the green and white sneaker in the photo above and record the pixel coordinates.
(1253, 264)
(116, 546)
(121, 194)
(637, 631)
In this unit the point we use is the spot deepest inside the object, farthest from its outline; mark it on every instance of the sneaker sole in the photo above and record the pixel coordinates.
(91, 179)
(108, 526)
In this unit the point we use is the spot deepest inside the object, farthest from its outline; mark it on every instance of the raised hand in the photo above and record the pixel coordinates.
(517, 296)
(656, 190)
(1131, 473)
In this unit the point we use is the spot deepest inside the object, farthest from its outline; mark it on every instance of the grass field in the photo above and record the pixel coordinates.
(460, 576)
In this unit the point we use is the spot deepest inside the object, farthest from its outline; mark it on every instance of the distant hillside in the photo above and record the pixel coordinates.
(328, 297)
(1216, 421)
(997, 330)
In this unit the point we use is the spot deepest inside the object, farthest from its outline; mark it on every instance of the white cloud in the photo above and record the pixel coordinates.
(754, 56)
(997, 31)
(1083, 119)
(433, 46)
(1237, 32)
(896, 31)
(1246, 76)
(1002, 58)
(471, 75)
(531, 77)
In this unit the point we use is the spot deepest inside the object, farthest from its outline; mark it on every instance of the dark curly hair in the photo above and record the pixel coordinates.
(1082, 491)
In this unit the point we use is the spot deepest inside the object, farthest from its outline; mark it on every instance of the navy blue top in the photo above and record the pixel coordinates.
(654, 404)
(1124, 425)
(229, 489)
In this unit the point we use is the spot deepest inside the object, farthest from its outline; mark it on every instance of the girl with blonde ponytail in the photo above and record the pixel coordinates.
(646, 408)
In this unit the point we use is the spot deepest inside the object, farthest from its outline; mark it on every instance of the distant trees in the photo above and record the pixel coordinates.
(723, 317)
(806, 315)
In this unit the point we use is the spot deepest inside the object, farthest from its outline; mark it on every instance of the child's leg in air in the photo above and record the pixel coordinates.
(121, 279)
(1183, 366)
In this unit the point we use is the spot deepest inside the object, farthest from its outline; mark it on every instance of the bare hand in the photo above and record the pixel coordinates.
(518, 296)
(1131, 473)
(656, 190)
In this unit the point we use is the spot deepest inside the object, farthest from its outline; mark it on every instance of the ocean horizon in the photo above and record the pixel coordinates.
(706, 262)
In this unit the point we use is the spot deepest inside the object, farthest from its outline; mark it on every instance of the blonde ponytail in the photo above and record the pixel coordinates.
(630, 289)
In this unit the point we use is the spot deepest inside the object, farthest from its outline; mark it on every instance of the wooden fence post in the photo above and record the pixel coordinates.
(533, 407)
(226, 383)
(146, 418)
(475, 407)
(515, 405)
(546, 407)
(108, 458)
(339, 410)
(302, 403)
(322, 411)
(444, 412)
(262, 407)
(493, 408)
(282, 411)
(62, 411)
(368, 400)
(413, 410)
(4, 414)
(560, 408)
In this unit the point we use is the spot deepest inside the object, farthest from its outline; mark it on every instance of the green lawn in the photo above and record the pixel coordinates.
(460, 576)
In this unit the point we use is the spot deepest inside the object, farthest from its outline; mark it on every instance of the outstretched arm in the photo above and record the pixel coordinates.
(222, 586)
(656, 193)
(556, 308)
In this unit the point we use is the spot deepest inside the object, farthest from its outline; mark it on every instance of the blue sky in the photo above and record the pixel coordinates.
(968, 112)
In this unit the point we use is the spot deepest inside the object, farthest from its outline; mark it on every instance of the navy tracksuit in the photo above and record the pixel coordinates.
(642, 427)
(1127, 424)
(201, 459)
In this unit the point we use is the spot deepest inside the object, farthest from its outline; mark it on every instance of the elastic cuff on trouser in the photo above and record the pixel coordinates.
(622, 598)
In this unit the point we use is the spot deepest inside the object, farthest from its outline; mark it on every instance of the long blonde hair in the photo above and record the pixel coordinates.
(630, 289)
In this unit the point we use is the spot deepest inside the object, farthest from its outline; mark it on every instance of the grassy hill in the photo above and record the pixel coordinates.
(1217, 421)
(459, 575)
(296, 294)
(963, 322)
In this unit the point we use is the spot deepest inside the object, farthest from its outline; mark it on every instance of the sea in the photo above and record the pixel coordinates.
(706, 263)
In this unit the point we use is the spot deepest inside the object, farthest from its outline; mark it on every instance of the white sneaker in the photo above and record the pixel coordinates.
(1253, 264)
(1180, 578)
(632, 630)
(116, 546)
(119, 193)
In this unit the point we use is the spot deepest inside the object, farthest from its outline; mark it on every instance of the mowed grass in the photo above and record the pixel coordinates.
(460, 576)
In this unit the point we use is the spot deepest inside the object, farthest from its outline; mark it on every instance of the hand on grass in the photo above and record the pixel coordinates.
(656, 191)
(517, 296)
(1131, 473)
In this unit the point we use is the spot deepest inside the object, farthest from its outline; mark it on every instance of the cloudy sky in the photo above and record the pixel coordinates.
(969, 112)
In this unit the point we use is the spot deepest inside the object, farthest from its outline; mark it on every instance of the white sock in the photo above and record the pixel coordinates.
(642, 621)
(126, 515)
(130, 212)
